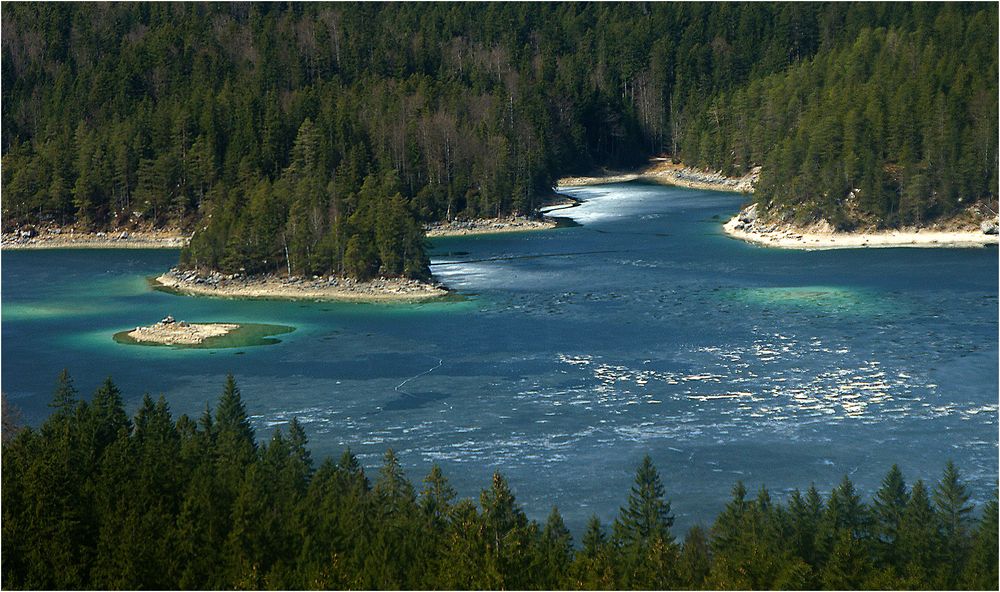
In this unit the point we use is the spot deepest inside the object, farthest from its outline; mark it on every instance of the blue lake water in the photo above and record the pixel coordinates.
(575, 352)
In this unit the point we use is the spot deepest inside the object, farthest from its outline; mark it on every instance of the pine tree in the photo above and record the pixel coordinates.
(919, 540)
(695, 559)
(642, 531)
(506, 536)
(647, 516)
(556, 552)
(981, 571)
(64, 399)
(951, 500)
(593, 567)
(437, 496)
(887, 511)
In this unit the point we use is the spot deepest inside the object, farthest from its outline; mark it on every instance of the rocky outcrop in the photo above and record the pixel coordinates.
(169, 332)
(61, 238)
(486, 226)
(989, 227)
(669, 173)
(297, 288)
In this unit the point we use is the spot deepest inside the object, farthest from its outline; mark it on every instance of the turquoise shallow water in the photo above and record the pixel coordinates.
(575, 352)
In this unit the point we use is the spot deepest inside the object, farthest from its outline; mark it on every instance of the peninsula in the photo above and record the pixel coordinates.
(62, 238)
(965, 230)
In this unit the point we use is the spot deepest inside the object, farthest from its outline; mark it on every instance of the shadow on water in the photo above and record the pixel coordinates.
(410, 401)
(514, 257)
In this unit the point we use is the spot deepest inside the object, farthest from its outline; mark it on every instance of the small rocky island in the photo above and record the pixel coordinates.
(171, 332)
(181, 334)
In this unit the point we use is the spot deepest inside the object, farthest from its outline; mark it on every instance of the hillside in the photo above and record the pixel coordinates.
(320, 138)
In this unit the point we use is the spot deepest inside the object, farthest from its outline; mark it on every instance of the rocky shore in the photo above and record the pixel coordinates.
(666, 172)
(58, 238)
(486, 226)
(297, 288)
(750, 227)
(171, 332)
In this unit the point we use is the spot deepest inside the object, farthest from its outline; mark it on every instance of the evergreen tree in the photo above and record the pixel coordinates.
(981, 573)
(888, 509)
(951, 500)
(555, 553)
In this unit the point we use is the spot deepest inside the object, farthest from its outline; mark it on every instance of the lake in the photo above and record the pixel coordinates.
(573, 353)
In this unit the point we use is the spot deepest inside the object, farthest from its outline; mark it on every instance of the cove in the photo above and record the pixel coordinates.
(571, 354)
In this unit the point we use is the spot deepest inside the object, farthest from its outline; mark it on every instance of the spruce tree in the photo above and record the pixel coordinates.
(647, 515)
(981, 572)
(64, 399)
(951, 500)
(887, 511)
(556, 551)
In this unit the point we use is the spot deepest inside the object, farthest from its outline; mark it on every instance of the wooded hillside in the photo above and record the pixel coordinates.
(93, 499)
(321, 137)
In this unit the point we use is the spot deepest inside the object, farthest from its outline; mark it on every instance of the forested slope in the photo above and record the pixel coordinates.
(321, 137)
(93, 499)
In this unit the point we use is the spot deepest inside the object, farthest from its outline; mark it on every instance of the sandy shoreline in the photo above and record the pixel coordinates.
(275, 288)
(746, 227)
(96, 240)
(169, 332)
(486, 226)
(665, 172)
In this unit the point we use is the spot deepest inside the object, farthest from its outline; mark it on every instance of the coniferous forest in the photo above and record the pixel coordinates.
(320, 138)
(93, 499)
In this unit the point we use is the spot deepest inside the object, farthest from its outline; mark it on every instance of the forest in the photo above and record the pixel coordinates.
(93, 499)
(309, 138)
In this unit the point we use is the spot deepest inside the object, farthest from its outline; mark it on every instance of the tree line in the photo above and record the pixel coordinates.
(95, 499)
(283, 134)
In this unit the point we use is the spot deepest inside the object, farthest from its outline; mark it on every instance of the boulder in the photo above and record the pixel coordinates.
(749, 215)
(167, 320)
(989, 227)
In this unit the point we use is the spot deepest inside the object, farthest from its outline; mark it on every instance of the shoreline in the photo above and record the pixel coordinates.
(820, 236)
(664, 172)
(96, 240)
(480, 226)
(330, 288)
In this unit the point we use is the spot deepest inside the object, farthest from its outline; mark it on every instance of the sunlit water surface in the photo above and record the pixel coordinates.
(575, 352)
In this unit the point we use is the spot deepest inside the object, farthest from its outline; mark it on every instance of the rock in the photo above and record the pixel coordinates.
(183, 324)
(989, 227)
(823, 227)
(123, 236)
(749, 215)
(167, 320)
